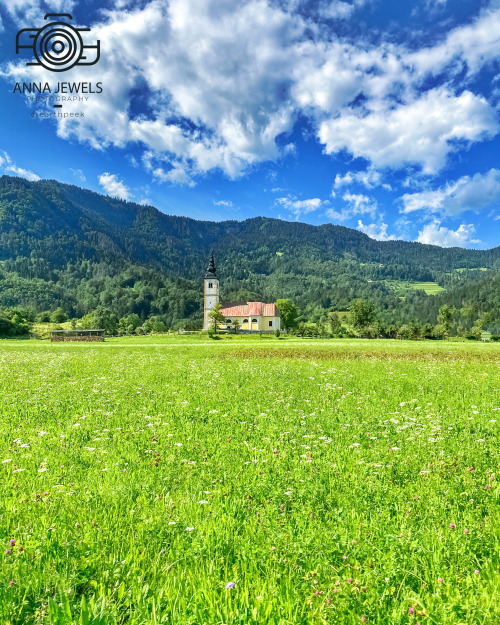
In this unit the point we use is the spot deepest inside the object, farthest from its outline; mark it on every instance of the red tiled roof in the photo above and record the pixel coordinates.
(251, 309)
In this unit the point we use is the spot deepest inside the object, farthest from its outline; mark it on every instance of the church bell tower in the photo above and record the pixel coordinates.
(210, 293)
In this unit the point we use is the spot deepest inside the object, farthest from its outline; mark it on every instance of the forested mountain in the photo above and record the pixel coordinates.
(63, 246)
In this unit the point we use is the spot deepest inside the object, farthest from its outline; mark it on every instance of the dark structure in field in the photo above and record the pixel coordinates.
(57, 336)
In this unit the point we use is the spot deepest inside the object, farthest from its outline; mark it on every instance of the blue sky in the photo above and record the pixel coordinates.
(372, 114)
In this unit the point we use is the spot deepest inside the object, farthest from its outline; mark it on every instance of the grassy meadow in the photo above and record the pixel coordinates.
(249, 481)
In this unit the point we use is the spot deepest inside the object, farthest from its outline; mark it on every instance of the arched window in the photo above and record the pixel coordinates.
(210, 285)
(254, 320)
(245, 321)
(228, 321)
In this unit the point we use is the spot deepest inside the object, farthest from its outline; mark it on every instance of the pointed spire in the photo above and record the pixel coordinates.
(211, 268)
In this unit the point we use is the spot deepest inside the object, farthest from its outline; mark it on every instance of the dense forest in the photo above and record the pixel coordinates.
(63, 247)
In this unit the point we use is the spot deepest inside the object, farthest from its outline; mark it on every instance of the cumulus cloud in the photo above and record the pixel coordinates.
(339, 9)
(474, 193)
(9, 167)
(376, 231)
(422, 132)
(113, 186)
(300, 207)
(369, 179)
(434, 233)
(24, 12)
(220, 82)
(226, 203)
(357, 204)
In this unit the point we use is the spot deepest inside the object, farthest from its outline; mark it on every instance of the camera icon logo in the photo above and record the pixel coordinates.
(58, 46)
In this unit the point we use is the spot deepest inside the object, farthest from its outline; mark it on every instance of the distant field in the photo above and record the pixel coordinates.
(431, 288)
(461, 269)
(186, 481)
(401, 287)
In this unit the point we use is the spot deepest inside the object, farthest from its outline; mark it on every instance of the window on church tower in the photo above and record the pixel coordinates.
(210, 285)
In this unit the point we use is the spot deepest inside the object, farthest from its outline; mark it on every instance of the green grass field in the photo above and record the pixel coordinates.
(401, 287)
(431, 288)
(181, 480)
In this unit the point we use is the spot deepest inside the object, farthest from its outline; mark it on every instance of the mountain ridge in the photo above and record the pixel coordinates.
(79, 244)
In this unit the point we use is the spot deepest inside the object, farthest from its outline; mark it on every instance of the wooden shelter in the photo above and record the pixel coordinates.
(78, 334)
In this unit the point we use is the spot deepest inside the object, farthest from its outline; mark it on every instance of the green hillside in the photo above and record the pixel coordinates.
(63, 246)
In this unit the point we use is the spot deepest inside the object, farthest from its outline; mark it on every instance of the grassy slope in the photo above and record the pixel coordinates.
(318, 464)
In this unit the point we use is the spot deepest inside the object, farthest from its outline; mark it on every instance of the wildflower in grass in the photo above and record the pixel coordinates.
(189, 529)
(7, 551)
(344, 557)
(77, 525)
(12, 582)
(349, 581)
(203, 501)
(476, 572)
(21, 548)
(452, 526)
(411, 610)
(488, 486)
(440, 580)
(230, 585)
(466, 531)
(12, 542)
(273, 548)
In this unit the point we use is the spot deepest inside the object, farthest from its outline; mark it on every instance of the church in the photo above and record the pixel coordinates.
(252, 316)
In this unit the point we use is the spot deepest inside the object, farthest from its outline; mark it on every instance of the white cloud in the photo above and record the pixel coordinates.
(78, 173)
(226, 203)
(434, 233)
(468, 47)
(113, 186)
(376, 231)
(176, 175)
(9, 167)
(300, 207)
(223, 80)
(422, 132)
(357, 204)
(474, 193)
(29, 12)
(337, 10)
(369, 179)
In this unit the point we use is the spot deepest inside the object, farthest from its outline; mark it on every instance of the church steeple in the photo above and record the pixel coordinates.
(211, 268)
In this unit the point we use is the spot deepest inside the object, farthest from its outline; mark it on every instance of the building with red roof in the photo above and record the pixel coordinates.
(248, 317)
